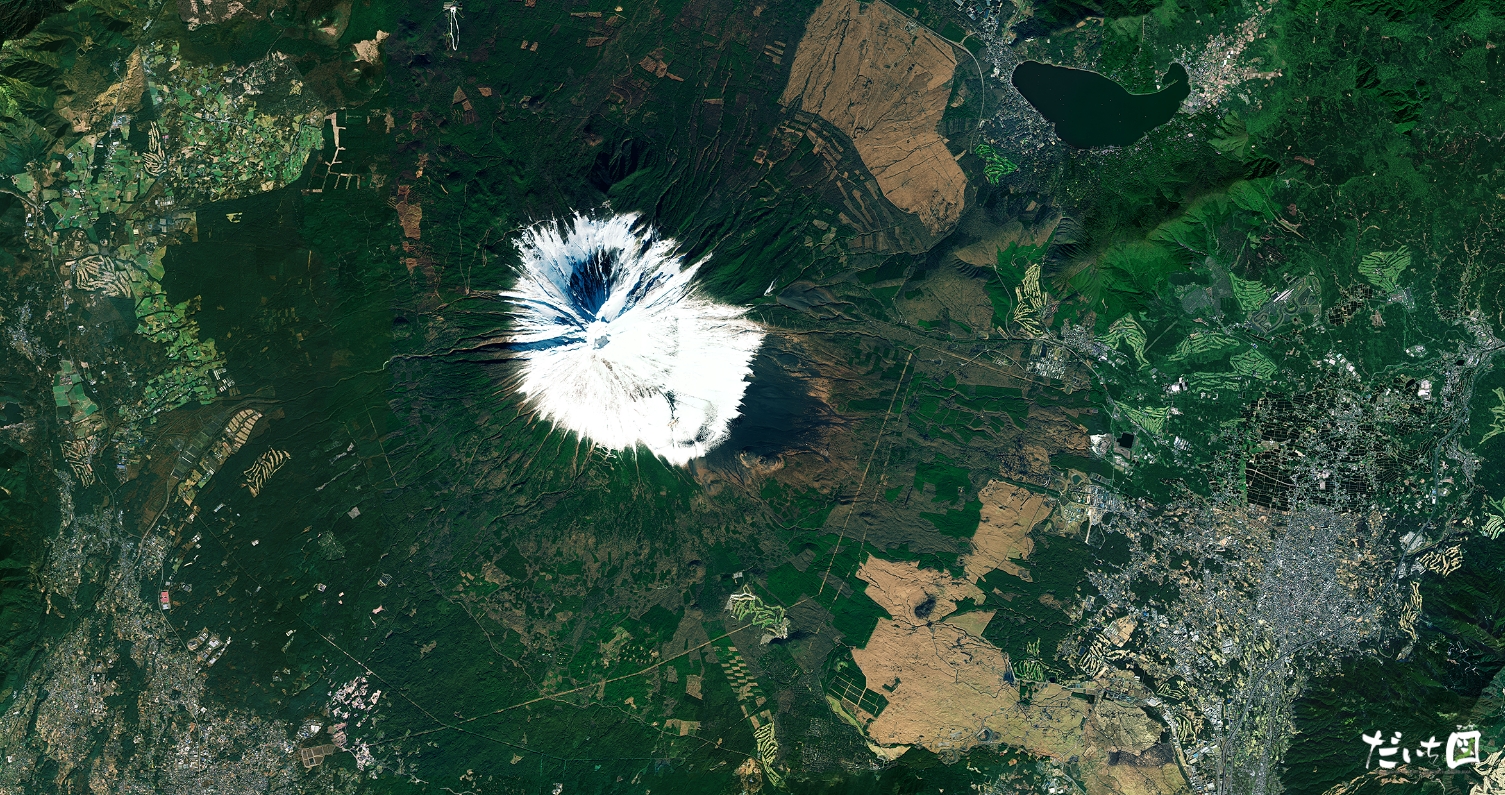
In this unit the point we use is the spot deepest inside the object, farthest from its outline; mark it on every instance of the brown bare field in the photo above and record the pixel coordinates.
(1008, 514)
(949, 690)
(872, 74)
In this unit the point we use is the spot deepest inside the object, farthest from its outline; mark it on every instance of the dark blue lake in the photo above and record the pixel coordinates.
(1090, 110)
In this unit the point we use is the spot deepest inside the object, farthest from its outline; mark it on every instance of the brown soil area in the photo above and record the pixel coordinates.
(973, 623)
(1008, 514)
(862, 68)
(914, 595)
(119, 97)
(947, 688)
(950, 295)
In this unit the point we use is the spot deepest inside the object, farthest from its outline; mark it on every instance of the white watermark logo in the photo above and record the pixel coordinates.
(1461, 748)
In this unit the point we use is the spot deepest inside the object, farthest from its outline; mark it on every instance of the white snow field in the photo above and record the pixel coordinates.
(616, 344)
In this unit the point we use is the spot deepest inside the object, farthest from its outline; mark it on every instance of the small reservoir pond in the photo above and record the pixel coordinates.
(1091, 110)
